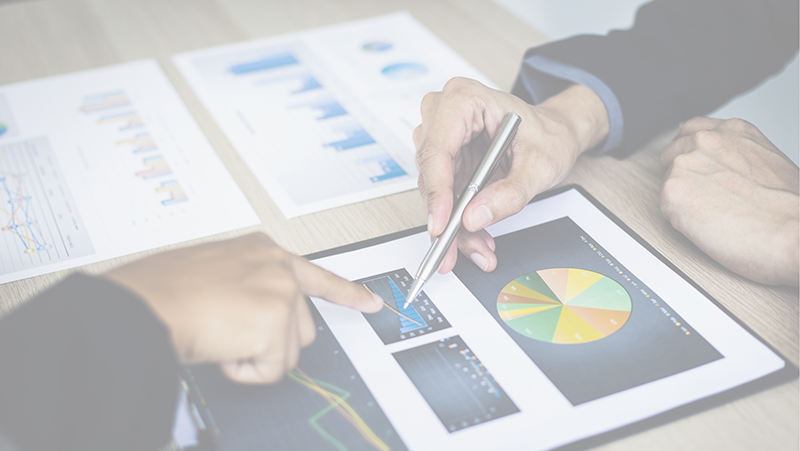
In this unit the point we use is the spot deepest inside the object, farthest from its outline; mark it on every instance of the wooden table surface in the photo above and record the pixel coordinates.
(43, 38)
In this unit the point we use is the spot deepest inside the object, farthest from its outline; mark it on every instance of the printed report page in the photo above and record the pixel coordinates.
(103, 163)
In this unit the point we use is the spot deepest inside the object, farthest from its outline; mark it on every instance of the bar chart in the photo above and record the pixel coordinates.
(116, 115)
(395, 323)
(310, 139)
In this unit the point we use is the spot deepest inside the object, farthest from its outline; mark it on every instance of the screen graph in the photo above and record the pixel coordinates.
(39, 220)
(337, 402)
(322, 404)
(395, 323)
(454, 382)
(589, 324)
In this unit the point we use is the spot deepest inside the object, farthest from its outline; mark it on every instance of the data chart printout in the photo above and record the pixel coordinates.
(325, 117)
(104, 163)
(580, 331)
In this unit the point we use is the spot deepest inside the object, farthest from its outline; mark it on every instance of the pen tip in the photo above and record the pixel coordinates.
(416, 287)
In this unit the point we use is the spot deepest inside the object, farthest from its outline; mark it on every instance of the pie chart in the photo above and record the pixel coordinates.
(564, 305)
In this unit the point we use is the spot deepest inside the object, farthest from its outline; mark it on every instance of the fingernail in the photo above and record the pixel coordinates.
(430, 222)
(480, 218)
(480, 261)
(377, 299)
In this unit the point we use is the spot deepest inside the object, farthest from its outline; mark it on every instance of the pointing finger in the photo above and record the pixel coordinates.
(315, 281)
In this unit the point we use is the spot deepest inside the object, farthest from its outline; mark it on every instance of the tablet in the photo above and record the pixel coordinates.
(582, 334)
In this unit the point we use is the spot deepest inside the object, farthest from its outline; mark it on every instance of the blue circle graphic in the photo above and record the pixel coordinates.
(405, 71)
(377, 46)
(3, 129)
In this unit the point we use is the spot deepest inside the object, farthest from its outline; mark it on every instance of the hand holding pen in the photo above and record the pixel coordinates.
(436, 253)
(453, 136)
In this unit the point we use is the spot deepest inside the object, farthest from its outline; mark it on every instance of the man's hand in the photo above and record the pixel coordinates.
(732, 193)
(240, 302)
(457, 126)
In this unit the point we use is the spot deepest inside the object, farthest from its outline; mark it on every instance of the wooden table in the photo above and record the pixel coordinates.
(42, 38)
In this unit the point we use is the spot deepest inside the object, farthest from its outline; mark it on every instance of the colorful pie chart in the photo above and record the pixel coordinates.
(564, 305)
(3, 129)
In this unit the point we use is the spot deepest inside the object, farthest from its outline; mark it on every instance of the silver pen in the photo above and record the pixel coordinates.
(482, 174)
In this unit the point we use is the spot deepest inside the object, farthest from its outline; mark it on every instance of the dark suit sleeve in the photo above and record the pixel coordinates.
(86, 366)
(682, 58)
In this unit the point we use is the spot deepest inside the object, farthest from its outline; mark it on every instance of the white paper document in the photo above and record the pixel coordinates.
(580, 330)
(103, 163)
(325, 117)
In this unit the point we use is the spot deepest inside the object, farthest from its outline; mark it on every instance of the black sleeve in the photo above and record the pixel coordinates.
(682, 58)
(86, 366)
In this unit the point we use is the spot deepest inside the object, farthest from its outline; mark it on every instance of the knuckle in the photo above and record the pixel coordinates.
(274, 254)
(517, 197)
(429, 100)
(417, 136)
(456, 84)
(683, 160)
(738, 125)
(691, 123)
(707, 140)
(256, 239)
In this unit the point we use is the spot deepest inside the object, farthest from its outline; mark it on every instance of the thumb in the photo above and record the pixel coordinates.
(315, 281)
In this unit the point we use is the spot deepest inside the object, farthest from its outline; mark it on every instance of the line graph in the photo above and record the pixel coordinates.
(39, 221)
(338, 401)
(17, 207)
(396, 323)
(321, 404)
(420, 324)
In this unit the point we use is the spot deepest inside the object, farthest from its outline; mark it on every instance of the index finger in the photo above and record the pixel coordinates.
(679, 146)
(315, 281)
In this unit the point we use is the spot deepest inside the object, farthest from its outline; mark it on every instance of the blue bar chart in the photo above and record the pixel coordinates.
(355, 138)
(395, 323)
(323, 108)
(299, 80)
(309, 139)
(455, 383)
(271, 61)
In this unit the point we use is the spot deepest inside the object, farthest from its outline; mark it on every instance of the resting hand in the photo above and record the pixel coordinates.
(457, 124)
(732, 193)
(239, 302)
